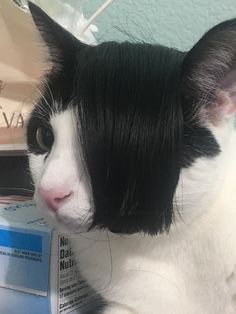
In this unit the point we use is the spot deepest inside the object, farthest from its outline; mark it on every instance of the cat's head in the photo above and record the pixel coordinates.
(129, 136)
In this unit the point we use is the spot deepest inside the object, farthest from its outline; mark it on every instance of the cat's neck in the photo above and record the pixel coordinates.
(226, 193)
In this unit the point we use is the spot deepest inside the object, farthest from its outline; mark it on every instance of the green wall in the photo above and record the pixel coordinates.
(170, 22)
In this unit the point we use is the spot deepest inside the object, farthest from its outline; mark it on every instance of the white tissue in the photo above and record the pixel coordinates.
(70, 18)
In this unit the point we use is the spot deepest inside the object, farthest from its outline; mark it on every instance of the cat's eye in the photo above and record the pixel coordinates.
(45, 138)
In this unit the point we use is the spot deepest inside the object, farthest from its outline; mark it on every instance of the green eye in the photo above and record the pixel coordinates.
(45, 138)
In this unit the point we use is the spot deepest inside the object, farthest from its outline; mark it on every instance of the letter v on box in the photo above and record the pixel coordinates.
(38, 273)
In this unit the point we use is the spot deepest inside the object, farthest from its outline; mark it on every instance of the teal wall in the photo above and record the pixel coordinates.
(175, 23)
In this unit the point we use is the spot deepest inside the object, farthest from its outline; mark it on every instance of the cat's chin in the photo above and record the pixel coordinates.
(66, 224)
(60, 221)
(71, 225)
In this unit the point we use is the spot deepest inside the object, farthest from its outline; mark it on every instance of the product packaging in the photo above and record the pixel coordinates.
(38, 273)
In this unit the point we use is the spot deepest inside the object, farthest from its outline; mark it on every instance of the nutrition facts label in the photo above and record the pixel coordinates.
(72, 290)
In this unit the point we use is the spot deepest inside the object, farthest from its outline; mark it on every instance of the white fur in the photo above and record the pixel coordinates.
(188, 271)
(64, 166)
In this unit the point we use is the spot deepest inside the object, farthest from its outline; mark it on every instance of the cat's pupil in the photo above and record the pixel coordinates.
(45, 138)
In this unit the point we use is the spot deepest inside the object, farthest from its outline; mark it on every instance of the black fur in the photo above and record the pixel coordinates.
(138, 123)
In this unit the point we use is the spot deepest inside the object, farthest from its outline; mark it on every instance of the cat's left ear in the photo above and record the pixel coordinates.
(209, 73)
(61, 44)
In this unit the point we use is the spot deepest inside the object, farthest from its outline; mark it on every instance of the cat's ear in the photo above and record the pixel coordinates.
(209, 73)
(61, 44)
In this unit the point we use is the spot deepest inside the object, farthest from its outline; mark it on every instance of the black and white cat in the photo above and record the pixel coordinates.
(132, 148)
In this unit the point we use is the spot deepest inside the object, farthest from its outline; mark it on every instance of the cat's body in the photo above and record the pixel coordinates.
(133, 149)
(166, 275)
(191, 269)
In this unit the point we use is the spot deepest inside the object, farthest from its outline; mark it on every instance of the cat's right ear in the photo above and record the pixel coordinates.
(209, 74)
(61, 44)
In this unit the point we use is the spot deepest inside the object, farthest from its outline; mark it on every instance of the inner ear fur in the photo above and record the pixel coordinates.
(209, 72)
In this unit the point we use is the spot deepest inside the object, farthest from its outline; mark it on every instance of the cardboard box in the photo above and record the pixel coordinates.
(38, 274)
(22, 67)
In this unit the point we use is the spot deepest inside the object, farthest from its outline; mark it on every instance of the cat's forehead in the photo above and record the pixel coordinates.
(110, 74)
(126, 67)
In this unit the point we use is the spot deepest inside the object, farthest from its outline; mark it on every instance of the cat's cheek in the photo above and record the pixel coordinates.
(76, 217)
(36, 163)
(77, 211)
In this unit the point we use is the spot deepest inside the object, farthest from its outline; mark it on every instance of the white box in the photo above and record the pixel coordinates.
(38, 274)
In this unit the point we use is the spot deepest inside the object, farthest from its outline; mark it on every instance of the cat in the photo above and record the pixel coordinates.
(132, 149)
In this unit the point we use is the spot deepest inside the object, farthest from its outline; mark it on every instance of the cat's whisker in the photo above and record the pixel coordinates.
(89, 246)
(16, 189)
(111, 259)
(183, 204)
(40, 105)
(155, 274)
(45, 82)
(192, 192)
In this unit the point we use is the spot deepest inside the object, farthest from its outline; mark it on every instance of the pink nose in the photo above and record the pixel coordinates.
(54, 197)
